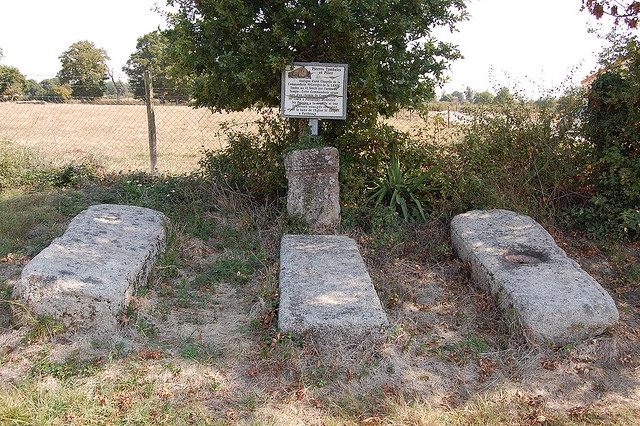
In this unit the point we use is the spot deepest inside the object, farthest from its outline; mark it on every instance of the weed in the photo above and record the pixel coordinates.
(73, 366)
(199, 351)
(43, 328)
(118, 351)
(232, 270)
(174, 369)
(321, 375)
(146, 328)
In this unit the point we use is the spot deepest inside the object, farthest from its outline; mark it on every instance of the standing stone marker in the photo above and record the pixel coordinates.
(325, 288)
(516, 259)
(85, 278)
(313, 190)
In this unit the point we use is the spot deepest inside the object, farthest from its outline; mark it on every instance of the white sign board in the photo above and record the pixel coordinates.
(314, 90)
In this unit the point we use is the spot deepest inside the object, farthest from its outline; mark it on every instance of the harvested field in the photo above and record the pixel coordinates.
(115, 137)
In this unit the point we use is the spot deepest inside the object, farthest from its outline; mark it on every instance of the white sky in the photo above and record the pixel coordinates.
(532, 44)
(34, 33)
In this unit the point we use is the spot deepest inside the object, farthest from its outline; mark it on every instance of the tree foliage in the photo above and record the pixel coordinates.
(483, 98)
(84, 67)
(12, 82)
(152, 54)
(235, 50)
(611, 126)
(622, 11)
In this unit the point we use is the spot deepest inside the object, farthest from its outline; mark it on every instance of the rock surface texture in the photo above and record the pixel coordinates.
(85, 278)
(325, 287)
(515, 258)
(313, 189)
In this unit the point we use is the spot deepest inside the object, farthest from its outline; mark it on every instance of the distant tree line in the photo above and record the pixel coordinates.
(84, 73)
(485, 97)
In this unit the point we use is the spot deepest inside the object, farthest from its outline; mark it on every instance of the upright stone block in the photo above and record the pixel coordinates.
(85, 278)
(325, 287)
(516, 259)
(313, 191)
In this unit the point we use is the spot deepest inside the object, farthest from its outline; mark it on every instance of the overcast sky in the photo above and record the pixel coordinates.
(34, 33)
(532, 44)
(535, 44)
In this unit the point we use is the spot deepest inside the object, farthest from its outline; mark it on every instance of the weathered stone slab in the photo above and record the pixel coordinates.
(325, 287)
(516, 259)
(84, 278)
(313, 189)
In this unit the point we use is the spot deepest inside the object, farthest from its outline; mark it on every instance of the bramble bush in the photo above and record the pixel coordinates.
(253, 163)
(533, 158)
(612, 174)
(517, 156)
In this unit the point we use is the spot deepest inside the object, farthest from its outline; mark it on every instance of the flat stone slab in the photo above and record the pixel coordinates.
(325, 287)
(85, 278)
(516, 259)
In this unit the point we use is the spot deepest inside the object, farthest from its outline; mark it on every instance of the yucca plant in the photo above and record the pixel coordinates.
(404, 193)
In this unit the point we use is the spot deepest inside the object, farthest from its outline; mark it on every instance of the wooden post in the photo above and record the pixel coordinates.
(151, 120)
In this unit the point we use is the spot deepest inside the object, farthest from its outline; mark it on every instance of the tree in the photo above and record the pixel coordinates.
(117, 89)
(235, 50)
(484, 98)
(469, 94)
(503, 97)
(12, 82)
(152, 54)
(446, 98)
(626, 11)
(84, 67)
(457, 96)
(35, 89)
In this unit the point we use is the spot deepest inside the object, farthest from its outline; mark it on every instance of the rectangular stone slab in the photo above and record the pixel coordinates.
(85, 278)
(515, 258)
(324, 286)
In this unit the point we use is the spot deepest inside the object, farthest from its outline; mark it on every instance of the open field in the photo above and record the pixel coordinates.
(115, 137)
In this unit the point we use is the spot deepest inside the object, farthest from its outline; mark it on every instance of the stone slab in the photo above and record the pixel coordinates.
(517, 260)
(85, 278)
(325, 287)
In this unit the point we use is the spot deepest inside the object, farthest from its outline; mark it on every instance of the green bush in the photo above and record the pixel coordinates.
(252, 163)
(612, 177)
(382, 160)
(517, 156)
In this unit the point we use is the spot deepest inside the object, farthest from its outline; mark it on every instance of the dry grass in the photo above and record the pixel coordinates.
(115, 137)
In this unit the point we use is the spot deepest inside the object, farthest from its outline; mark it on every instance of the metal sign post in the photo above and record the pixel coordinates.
(313, 123)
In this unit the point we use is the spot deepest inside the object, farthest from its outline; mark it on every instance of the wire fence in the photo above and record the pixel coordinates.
(114, 136)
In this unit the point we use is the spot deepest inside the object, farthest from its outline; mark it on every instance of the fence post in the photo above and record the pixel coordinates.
(151, 120)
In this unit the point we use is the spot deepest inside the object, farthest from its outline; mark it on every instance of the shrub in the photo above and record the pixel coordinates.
(252, 163)
(516, 156)
(612, 175)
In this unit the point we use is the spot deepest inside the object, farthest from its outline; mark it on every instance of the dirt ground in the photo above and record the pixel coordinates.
(216, 347)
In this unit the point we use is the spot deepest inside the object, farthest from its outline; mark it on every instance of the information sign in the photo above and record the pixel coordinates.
(315, 90)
